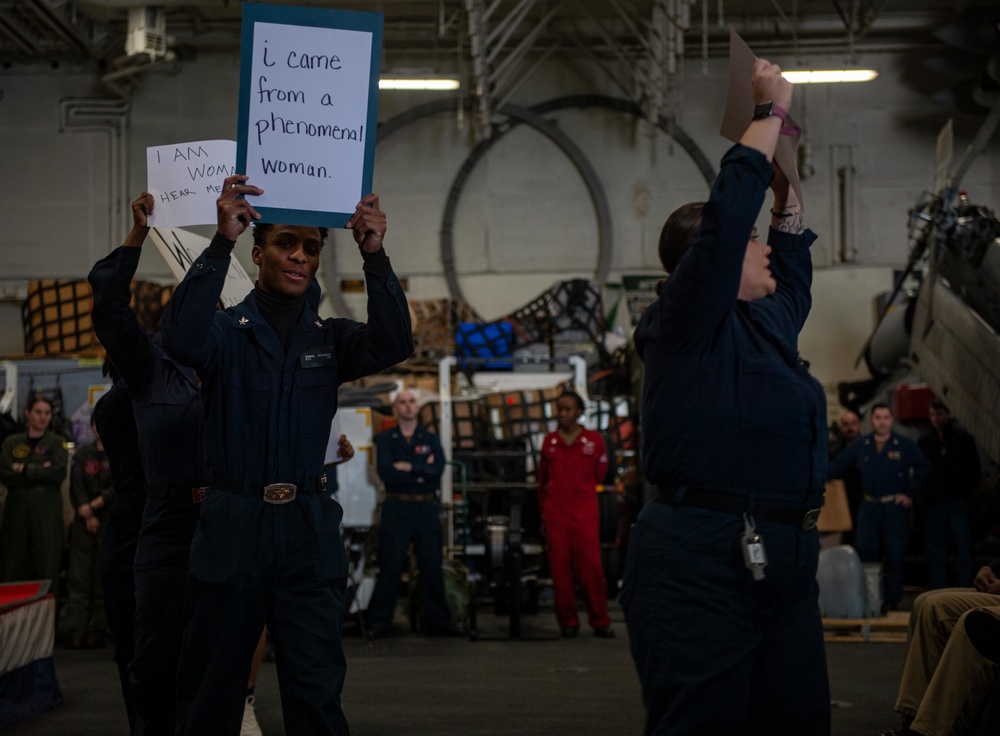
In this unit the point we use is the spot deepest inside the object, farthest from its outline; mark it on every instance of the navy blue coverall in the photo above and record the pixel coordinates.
(116, 425)
(170, 425)
(268, 411)
(729, 409)
(884, 525)
(411, 512)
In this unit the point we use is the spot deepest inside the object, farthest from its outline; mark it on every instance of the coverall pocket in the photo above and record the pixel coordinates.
(219, 540)
(250, 391)
(769, 400)
(316, 397)
(324, 517)
(169, 410)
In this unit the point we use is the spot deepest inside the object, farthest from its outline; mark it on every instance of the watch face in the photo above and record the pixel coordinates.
(763, 110)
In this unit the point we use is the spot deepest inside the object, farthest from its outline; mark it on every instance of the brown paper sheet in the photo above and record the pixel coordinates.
(739, 111)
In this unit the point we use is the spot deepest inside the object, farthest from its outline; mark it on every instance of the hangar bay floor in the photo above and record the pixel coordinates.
(538, 685)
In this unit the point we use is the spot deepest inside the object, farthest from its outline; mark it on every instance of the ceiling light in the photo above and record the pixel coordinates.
(830, 76)
(409, 83)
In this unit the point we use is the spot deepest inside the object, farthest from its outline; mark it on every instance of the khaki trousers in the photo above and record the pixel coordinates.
(945, 680)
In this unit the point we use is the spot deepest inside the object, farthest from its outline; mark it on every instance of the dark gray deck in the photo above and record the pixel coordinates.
(411, 685)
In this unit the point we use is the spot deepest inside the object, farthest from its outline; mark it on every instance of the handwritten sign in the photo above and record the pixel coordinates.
(185, 179)
(308, 110)
(180, 248)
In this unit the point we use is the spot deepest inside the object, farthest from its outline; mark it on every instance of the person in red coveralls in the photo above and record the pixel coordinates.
(573, 462)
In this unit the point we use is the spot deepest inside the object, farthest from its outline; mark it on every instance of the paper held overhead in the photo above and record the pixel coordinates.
(739, 111)
(308, 110)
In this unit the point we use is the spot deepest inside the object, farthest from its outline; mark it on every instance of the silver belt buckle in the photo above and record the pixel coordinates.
(810, 519)
(279, 493)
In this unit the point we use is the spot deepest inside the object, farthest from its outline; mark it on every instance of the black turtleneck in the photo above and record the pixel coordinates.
(279, 311)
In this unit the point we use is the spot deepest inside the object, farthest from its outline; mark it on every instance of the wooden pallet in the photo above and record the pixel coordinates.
(890, 628)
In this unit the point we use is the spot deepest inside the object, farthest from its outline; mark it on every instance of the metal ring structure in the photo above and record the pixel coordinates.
(532, 116)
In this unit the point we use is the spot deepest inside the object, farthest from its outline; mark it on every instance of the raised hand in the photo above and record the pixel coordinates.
(233, 211)
(368, 224)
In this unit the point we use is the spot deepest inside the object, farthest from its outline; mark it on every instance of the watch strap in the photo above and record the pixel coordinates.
(767, 109)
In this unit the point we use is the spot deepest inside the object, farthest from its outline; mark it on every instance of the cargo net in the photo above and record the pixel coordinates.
(56, 316)
(505, 424)
(434, 324)
(569, 311)
(569, 306)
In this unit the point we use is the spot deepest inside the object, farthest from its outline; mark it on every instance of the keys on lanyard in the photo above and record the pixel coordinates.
(754, 556)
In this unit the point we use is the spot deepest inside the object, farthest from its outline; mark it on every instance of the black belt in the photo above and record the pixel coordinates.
(275, 492)
(175, 491)
(726, 503)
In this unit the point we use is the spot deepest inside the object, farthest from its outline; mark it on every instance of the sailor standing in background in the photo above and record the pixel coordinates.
(410, 463)
(91, 490)
(573, 461)
(33, 467)
(892, 470)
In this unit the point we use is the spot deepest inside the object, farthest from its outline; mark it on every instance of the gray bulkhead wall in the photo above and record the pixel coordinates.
(525, 218)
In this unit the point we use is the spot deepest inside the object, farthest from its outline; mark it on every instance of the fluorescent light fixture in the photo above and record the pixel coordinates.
(409, 83)
(830, 76)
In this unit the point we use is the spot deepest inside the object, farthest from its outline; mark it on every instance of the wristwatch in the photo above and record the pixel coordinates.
(767, 109)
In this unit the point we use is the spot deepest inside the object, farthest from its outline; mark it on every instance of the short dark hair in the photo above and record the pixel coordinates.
(881, 405)
(677, 233)
(575, 396)
(261, 229)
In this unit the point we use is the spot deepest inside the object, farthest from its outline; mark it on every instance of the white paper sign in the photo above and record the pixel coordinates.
(180, 248)
(308, 112)
(185, 179)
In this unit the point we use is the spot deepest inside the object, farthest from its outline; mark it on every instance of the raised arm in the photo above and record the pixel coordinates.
(115, 324)
(767, 85)
(187, 322)
(705, 284)
(387, 338)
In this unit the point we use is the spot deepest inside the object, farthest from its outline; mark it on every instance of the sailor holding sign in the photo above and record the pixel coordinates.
(267, 548)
